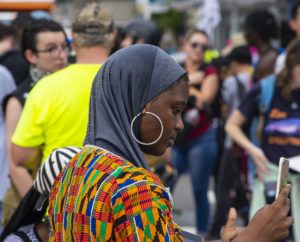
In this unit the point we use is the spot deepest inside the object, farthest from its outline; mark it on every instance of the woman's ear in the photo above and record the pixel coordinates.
(30, 56)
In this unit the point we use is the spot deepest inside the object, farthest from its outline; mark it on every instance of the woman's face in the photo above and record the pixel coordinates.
(168, 106)
(195, 47)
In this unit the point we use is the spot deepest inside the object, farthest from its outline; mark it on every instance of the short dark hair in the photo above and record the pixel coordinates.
(263, 23)
(294, 10)
(148, 30)
(6, 31)
(29, 36)
(240, 54)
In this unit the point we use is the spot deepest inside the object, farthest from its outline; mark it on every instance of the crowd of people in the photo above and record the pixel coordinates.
(92, 146)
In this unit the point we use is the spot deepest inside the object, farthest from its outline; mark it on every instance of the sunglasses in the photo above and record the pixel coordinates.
(195, 45)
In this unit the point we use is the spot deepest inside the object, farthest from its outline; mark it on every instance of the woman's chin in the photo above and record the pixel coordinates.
(154, 150)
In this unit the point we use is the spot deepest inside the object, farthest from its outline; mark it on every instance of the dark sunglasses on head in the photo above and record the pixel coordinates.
(195, 45)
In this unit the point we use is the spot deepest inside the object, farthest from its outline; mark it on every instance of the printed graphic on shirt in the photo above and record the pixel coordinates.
(283, 132)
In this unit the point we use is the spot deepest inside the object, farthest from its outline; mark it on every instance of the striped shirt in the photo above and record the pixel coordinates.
(102, 197)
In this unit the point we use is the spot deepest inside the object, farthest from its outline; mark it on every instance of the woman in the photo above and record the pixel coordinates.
(44, 46)
(278, 135)
(196, 146)
(107, 192)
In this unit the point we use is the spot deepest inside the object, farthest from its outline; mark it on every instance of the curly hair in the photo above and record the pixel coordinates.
(263, 23)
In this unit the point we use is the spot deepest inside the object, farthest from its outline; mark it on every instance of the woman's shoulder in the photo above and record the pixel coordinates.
(138, 190)
(123, 172)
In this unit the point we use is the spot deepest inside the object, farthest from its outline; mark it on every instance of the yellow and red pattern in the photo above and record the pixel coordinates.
(102, 197)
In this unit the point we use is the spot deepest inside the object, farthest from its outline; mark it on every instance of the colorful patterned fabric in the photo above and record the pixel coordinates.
(51, 167)
(102, 197)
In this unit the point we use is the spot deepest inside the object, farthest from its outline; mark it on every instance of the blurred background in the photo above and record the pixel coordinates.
(172, 16)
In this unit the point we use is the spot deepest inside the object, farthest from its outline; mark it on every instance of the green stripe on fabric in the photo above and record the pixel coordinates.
(150, 216)
(118, 208)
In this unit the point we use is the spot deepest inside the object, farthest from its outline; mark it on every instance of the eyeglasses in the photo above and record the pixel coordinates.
(196, 45)
(55, 50)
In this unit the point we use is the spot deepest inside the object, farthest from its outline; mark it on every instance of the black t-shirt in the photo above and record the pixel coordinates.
(16, 64)
(281, 132)
(20, 93)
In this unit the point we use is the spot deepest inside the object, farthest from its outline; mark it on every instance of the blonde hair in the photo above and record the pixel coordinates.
(191, 32)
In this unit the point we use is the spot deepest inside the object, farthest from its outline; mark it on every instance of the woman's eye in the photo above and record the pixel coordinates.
(177, 111)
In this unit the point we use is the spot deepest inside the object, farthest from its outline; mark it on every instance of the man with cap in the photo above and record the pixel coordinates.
(56, 111)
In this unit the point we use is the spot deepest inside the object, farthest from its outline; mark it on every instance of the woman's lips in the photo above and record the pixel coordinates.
(172, 141)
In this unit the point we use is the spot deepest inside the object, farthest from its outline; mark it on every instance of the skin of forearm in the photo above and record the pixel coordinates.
(207, 93)
(237, 134)
(22, 155)
(20, 178)
(234, 130)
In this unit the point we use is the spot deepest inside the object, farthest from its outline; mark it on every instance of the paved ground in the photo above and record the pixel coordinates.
(184, 204)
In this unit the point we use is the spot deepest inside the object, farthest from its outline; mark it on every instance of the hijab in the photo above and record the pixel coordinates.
(129, 79)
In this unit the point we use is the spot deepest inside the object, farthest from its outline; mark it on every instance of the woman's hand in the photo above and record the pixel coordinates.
(271, 223)
(261, 162)
(196, 77)
(209, 89)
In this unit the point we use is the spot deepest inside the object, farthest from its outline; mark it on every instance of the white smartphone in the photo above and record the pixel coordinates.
(283, 173)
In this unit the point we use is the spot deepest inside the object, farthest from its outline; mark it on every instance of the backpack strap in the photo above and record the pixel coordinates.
(267, 86)
(241, 89)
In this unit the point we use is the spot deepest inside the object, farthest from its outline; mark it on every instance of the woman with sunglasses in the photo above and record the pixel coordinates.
(196, 145)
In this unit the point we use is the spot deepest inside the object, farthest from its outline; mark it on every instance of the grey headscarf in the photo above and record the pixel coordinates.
(128, 80)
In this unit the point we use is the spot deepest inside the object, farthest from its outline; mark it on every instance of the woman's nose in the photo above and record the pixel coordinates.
(179, 124)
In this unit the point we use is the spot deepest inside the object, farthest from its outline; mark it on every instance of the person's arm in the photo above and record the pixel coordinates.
(196, 77)
(271, 223)
(209, 89)
(21, 155)
(233, 127)
(19, 175)
(29, 136)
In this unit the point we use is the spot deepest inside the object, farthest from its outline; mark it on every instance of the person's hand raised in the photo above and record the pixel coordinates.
(261, 162)
(271, 223)
(230, 230)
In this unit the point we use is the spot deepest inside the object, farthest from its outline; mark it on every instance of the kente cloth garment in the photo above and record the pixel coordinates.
(102, 197)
